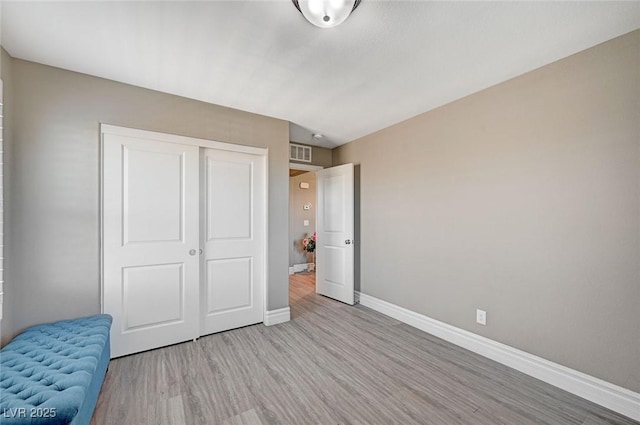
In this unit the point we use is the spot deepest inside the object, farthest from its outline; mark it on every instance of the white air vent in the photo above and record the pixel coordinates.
(299, 152)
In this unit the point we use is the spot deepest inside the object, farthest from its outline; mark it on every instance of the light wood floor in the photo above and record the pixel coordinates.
(331, 364)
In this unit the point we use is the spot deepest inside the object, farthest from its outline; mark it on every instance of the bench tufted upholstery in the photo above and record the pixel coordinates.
(50, 370)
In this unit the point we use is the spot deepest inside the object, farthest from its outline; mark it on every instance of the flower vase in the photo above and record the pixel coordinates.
(312, 263)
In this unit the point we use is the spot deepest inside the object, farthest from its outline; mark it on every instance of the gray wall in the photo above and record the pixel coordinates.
(297, 214)
(522, 200)
(53, 226)
(6, 325)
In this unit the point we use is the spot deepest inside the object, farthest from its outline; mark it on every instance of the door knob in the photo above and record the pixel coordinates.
(347, 242)
(192, 252)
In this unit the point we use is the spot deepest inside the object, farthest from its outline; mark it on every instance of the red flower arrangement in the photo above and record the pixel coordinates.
(309, 243)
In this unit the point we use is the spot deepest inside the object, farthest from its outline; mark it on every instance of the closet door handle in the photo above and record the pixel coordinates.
(192, 252)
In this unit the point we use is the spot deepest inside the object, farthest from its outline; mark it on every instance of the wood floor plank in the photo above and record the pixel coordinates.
(249, 417)
(331, 364)
(166, 411)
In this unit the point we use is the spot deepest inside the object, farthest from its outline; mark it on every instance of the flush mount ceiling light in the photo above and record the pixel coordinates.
(326, 13)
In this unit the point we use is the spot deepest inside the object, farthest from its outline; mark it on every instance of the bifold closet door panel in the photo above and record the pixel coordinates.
(151, 239)
(233, 270)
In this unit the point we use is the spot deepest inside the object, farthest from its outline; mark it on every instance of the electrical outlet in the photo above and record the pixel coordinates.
(481, 317)
(305, 222)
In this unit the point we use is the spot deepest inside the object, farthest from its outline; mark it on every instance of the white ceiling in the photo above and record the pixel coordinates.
(389, 61)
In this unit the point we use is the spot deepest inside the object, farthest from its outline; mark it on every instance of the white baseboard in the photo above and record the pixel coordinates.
(273, 317)
(611, 396)
(301, 267)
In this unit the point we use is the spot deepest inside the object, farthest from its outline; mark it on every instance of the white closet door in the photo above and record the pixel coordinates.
(150, 242)
(233, 187)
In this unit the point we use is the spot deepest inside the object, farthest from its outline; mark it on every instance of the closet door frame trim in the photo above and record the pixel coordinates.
(193, 141)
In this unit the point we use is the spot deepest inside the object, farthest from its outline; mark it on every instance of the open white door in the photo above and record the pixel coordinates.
(151, 239)
(234, 240)
(334, 226)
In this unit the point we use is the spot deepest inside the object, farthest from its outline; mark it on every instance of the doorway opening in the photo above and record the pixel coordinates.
(302, 224)
(330, 213)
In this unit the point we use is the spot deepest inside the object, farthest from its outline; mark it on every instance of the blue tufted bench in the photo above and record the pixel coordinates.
(52, 374)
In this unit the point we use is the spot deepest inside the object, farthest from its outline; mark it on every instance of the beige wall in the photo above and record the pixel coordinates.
(54, 176)
(522, 200)
(6, 325)
(297, 214)
(319, 156)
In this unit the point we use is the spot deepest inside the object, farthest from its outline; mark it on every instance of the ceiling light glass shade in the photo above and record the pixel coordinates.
(326, 13)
